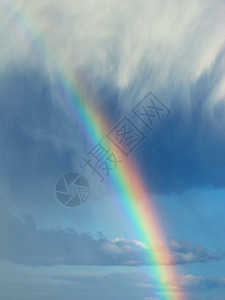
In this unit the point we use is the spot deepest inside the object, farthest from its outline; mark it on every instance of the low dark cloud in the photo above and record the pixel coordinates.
(25, 244)
(185, 252)
(38, 137)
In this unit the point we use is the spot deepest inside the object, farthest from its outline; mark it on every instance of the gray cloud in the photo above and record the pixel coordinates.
(25, 244)
(186, 252)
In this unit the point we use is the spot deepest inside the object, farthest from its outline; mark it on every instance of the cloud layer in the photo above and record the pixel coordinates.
(25, 244)
(120, 51)
(136, 285)
(131, 46)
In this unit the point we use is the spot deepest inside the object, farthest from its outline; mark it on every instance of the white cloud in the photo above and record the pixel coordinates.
(133, 46)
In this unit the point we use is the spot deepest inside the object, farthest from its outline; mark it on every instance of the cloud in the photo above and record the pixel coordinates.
(120, 51)
(119, 55)
(131, 45)
(188, 282)
(55, 283)
(39, 284)
(25, 244)
(186, 252)
(191, 282)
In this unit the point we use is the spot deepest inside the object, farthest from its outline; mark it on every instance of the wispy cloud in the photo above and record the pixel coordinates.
(40, 283)
(191, 282)
(131, 45)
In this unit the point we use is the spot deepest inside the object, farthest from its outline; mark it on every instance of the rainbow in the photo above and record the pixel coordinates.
(126, 181)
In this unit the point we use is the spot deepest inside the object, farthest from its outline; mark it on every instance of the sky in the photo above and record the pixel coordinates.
(122, 57)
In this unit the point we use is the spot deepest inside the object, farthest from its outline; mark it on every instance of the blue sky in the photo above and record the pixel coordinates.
(121, 51)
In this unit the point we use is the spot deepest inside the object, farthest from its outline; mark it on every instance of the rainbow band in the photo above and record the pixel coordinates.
(133, 199)
(132, 196)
